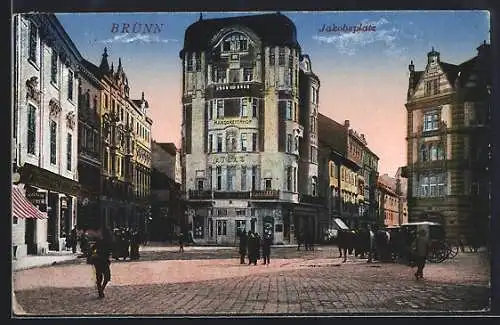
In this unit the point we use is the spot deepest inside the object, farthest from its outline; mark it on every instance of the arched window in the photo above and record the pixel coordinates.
(423, 152)
(434, 152)
(440, 152)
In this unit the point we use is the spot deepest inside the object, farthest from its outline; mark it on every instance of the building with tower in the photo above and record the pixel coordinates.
(125, 148)
(249, 129)
(448, 143)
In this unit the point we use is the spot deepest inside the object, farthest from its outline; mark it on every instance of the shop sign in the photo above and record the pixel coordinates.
(37, 198)
(228, 159)
(237, 121)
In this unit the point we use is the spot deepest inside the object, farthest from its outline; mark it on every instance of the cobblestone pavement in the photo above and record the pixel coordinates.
(295, 283)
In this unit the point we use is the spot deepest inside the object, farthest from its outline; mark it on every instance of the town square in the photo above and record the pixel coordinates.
(251, 163)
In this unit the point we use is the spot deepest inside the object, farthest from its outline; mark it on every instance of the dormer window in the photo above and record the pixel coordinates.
(235, 43)
(431, 87)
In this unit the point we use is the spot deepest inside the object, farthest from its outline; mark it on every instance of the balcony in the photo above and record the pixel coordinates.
(232, 195)
(309, 199)
(200, 195)
(265, 195)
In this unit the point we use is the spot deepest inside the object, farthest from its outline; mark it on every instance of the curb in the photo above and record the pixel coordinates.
(17, 309)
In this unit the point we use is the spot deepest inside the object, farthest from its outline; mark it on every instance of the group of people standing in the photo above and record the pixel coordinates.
(251, 244)
(126, 243)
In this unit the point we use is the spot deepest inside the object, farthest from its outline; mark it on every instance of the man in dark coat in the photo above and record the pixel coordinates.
(134, 245)
(243, 245)
(252, 252)
(257, 247)
(73, 237)
(266, 248)
(100, 259)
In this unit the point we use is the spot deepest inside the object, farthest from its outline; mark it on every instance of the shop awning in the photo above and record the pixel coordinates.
(24, 209)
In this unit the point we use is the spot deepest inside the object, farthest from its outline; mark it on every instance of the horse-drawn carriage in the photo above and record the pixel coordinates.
(440, 248)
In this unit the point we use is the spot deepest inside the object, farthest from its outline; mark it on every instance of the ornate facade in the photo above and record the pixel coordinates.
(45, 127)
(125, 149)
(249, 130)
(448, 168)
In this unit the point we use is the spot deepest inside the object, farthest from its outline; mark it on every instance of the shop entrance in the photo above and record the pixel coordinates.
(221, 235)
(29, 236)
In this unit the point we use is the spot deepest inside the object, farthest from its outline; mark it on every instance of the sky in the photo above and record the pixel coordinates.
(364, 75)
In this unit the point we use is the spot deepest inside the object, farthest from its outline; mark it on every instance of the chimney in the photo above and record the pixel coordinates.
(346, 123)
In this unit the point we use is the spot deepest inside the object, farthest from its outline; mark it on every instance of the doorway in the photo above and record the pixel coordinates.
(29, 236)
(221, 235)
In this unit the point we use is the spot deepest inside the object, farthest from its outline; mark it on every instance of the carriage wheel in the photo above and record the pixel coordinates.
(453, 251)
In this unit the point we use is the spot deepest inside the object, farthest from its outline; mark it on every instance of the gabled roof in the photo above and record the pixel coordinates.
(416, 79)
(92, 68)
(332, 134)
(168, 147)
(451, 71)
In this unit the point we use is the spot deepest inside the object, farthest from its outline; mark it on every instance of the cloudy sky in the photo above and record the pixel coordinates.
(364, 75)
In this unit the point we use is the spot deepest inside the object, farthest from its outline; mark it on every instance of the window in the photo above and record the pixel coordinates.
(434, 155)
(423, 152)
(290, 60)
(234, 75)
(209, 176)
(189, 63)
(106, 161)
(210, 142)
(245, 106)
(31, 129)
(433, 185)
(14, 220)
(96, 104)
(70, 87)
(313, 185)
(314, 155)
(231, 178)
(440, 152)
(244, 144)
(210, 110)
(53, 67)
(220, 108)
(254, 107)
(268, 184)
(33, 40)
(288, 78)
(53, 142)
(248, 74)
(281, 56)
(295, 112)
(243, 181)
(254, 178)
(235, 43)
(294, 179)
(289, 143)
(289, 182)
(272, 56)
(289, 113)
(254, 141)
(68, 152)
(431, 121)
(218, 171)
(220, 75)
(431, 87)
(296, 143)
(199, 185)
(197, 61)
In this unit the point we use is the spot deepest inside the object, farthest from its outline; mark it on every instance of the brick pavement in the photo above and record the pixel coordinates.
(312, 283)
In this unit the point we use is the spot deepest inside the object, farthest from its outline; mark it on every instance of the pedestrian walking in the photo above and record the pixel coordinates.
(101, 251)
(421, 251)
(134, 245)
(266, 248)
(371, 246)
(243, 245)
(461, 244)
(181, 242)
(252, 249)
(73, 238)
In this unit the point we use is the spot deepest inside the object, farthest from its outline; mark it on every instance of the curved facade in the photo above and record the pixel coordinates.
(243, 139)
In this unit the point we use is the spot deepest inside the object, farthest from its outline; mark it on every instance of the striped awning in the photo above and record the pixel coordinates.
(22, 208)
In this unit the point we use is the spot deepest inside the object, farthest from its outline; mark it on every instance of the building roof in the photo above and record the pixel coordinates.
(168, 147)
(92, 68)
(332, 134)
(272, 29)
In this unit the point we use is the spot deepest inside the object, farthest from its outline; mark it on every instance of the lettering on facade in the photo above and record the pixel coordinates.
(37, 198)
(229, 159)
(233, 121)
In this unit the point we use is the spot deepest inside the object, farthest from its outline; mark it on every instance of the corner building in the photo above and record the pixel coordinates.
(248, 161)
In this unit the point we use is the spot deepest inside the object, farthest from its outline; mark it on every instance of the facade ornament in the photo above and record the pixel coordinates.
(55, 108)
(32, 91)
(70, 120)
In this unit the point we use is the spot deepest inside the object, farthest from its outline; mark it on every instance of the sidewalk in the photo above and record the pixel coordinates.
(51, 258)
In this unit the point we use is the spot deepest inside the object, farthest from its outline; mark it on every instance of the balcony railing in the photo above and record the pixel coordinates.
(200, 195)
(232, 195)
(304, 198)
(265, 194)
